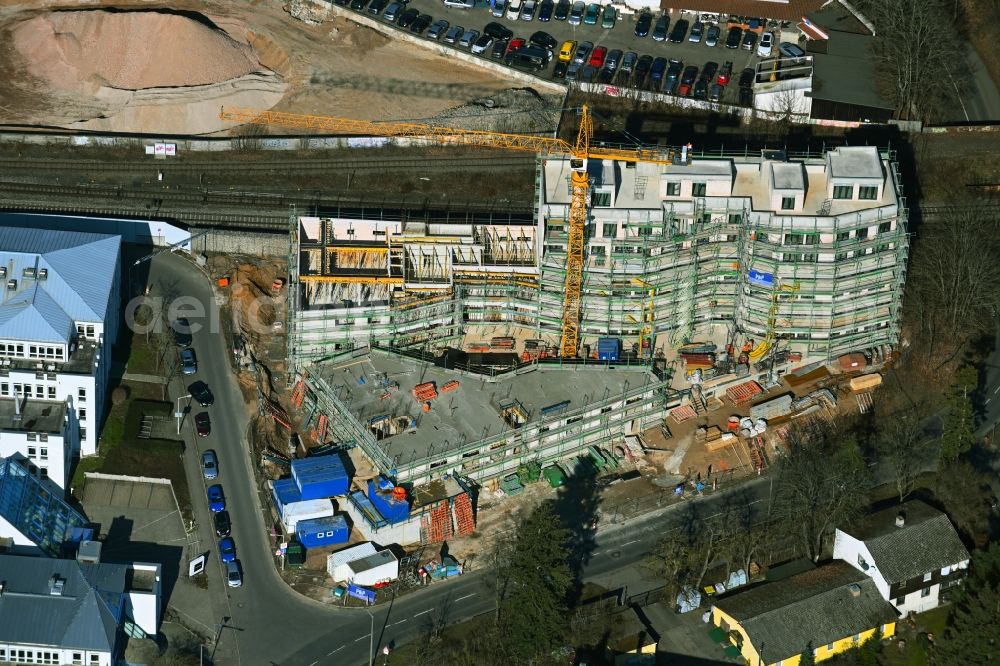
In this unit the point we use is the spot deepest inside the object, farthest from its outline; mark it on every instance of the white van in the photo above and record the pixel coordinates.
(460, 4)
(514, 10)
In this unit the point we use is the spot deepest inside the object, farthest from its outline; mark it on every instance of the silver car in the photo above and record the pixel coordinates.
(209, 464)
(438, 29)
(454, 33)
(577, 12)
(468, 38)
(582, 54)
(234, 577)
(612, 60)
(528, 10)
(498, 9)
(628, 62)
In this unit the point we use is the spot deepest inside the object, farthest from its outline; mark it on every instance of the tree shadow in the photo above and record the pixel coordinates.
(576, 504)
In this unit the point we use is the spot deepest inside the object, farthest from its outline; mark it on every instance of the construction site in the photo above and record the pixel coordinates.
(477, 344)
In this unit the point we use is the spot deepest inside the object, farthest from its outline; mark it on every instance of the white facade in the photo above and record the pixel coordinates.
(33, 654)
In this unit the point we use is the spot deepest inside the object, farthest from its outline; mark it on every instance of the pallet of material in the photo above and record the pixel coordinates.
(865, 382)
(743, 393)
(425, 391)
(722, 442)
(502, 343)
(683, 413)
(478, 347)
(449, 386)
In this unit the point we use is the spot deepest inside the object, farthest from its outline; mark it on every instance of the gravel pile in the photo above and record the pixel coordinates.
(515, 110)
(130, 50)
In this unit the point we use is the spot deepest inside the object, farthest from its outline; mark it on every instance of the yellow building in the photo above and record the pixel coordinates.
(829, 609)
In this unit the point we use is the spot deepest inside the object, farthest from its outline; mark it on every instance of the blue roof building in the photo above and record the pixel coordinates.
(33, 513)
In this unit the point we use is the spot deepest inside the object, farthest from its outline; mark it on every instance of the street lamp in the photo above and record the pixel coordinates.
(179, 414)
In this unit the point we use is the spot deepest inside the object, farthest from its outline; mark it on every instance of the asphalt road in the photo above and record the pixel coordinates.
(622, 36)
(268, 622)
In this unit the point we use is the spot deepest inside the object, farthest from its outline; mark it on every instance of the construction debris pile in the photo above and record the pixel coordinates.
(515, 110)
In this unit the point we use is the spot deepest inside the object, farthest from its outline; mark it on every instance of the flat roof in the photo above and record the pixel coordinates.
(846, 72)
(469, 413)
(36, 415)
(788, 175)
(855, 162)
(719, 168)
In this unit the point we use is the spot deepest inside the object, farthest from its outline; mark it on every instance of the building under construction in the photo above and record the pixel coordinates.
(776, 255)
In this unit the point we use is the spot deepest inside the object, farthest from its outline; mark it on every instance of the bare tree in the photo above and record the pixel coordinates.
(916, 46)
(902, 446)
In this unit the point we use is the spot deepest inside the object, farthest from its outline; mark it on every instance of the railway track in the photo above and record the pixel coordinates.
(388, 165)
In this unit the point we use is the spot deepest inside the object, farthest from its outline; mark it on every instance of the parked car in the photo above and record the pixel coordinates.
(532, 58)
(734, 38)
(712, 35)
(201, 393)
(513, 9)
(227, 549)
(182, 332)
(497, 30)
(573, 71)
(209, 465)
(422, 23)
(746, 97)
(498, 9)
(468, 38)
(528, 10)
(499, 48)
(559, 71)
(725, 72)
(656, 73)
(766, 45)
(203, 424)
(715, 92)
(407, 18)
(460, 4)
(583, 52)
(391, 12)
(747, 77)
(709, 70)
(749, 39)
(597, 57)
(438, 29)
(234, 577)
(680, 29)
(612, 60)
(628, 62)
(566, 50)
(642, 67)
(223, 525)
(642, 24)
(358, 5)
(545, 10)
(661, 28)
(577, 12)
(592, 14)
(670, 85)
(480, 45)
(216, 499)
(697, 32)
(608, 17)
(687, 80)
(562, 10)
(514, 45)
(588, 73)
(454, 33)
(790, 50)
(376, 6)
(189, 362)
(700, 89)
(543, 39)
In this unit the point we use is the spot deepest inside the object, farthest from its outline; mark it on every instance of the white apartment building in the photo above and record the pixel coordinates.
(59, 317)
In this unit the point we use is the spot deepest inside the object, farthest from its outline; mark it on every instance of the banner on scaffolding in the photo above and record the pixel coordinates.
(761, 279)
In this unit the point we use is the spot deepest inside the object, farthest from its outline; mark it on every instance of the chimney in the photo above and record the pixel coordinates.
(56, 585)
(855, 590)
(900, 519)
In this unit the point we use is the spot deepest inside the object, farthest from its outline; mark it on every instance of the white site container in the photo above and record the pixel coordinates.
(295, 511)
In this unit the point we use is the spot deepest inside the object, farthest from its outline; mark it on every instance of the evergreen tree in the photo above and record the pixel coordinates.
(533, 613)
(807, 658)
(971, 636)
(959, 430)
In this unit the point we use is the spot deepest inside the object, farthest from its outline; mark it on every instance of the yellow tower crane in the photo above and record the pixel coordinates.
(578, 154)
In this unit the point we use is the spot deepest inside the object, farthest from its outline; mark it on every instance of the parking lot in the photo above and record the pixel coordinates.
(622, 37)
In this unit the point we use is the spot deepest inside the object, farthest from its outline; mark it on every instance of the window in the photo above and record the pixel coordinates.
(945, 571)
(862, 563)
(610, 230)
(83, 434)
(855, 638)
(735, 218)
(77, 657)
(885, 227)
(90, 331)
(924, 593)
(4, 389)
(602, 199)
(52, 392)
(95, 659)
(927, 576)
(82, 395)
(862, 233)
(868, 193)
(43, 454)
(787, 203)
(829, 647)
(44, 471)
(843, 191)
(39, 391)
(697, 189)
(83, 414)
(32, 451)
(673, 189)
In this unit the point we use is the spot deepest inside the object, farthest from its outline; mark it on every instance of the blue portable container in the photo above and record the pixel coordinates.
(392, 509)
(609, 349)
(285, 493)
(320, 477)
(319, 532)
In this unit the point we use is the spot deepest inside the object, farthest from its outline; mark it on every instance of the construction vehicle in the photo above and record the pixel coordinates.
(765, 345)
(579, 153)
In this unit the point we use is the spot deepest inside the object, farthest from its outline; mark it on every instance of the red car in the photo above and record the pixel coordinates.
(597, 57)
(725, 73)
(202, 424)
(514, 45)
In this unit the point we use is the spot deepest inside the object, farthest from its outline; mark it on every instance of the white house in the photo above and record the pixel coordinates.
(912, 552)
(60, 295)
(74, 611)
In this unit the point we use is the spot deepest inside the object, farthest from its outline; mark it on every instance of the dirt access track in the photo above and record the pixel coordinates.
(335, 67)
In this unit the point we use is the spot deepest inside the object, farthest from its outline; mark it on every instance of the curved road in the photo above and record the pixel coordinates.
(270, 623)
